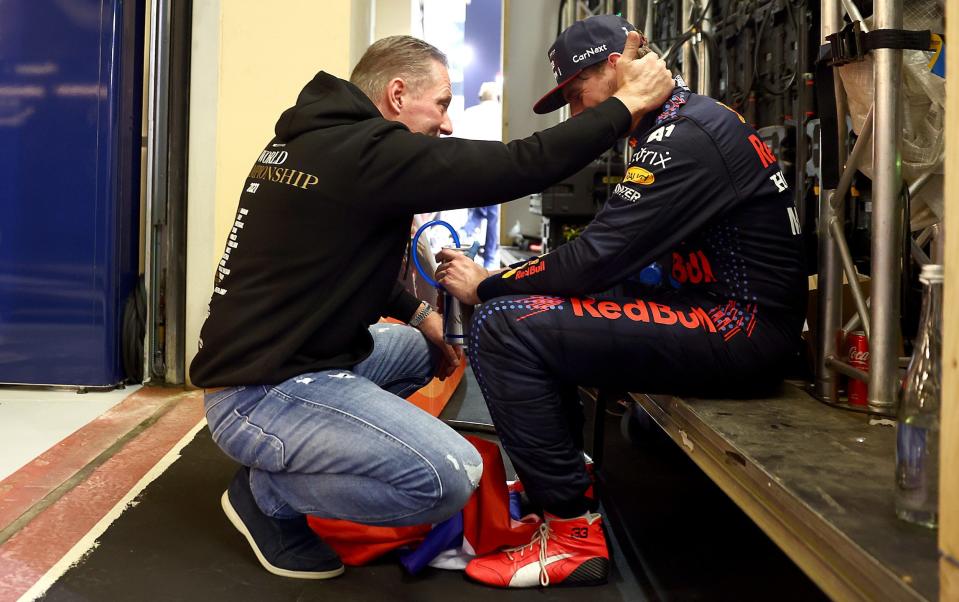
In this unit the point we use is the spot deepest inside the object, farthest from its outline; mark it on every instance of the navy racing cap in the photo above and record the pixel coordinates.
(582, 44)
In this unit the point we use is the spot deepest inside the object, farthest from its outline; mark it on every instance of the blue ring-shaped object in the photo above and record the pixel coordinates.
(416, 237)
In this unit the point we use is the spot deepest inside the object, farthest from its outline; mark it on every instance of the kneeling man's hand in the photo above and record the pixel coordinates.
(432, 329)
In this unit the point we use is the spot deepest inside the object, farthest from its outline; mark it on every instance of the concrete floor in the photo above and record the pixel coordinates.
(33, 420)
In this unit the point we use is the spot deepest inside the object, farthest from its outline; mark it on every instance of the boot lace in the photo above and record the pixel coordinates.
(541, 536)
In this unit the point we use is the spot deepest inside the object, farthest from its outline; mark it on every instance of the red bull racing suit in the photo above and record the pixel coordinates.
(701, 190)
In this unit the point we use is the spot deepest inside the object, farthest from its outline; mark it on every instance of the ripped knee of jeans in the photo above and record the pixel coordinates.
(471, 467)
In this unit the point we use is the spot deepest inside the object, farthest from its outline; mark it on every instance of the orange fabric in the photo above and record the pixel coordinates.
(433, 397)
(358, 544)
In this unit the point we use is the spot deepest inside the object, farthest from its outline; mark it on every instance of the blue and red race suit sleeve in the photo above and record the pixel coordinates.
(676, 183)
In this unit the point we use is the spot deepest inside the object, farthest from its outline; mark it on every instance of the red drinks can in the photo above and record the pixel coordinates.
(858, 357)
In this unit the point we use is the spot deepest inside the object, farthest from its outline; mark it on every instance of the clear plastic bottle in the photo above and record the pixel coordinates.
(917, 434)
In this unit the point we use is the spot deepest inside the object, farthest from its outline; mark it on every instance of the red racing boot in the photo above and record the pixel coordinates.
(565, 551)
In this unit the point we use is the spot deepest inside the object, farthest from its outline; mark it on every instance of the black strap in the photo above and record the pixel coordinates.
(902, 39)
(851, 43)
(828, 122)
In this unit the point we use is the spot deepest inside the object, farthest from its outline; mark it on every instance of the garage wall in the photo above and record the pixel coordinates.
(529, 30)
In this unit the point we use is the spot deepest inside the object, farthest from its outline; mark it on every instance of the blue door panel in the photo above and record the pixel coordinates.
(69, 160)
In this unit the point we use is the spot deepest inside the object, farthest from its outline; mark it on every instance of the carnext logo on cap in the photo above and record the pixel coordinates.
(581, 57)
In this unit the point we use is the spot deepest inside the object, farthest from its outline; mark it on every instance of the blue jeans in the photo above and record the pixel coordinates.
(344, 444)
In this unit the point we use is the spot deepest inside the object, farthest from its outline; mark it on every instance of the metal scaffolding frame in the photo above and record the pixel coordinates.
(878, 315)
(829, 285)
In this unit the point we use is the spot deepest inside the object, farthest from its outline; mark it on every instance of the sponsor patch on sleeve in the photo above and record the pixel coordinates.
(533, 266)
(639, 175)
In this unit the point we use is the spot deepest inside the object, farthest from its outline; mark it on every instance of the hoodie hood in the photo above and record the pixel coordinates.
(326, 101)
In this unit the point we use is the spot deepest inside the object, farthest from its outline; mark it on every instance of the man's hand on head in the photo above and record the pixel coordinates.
(643, 84)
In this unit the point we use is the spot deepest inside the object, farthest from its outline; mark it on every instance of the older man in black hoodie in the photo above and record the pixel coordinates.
(304, 388)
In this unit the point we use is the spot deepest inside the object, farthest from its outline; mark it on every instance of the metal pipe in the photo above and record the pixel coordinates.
(863, 143)
(855, 320)
(687, 48)
(704, 72)
(846, 370)
(924, 218)
(181, 18)
(156, 186)
(632, 13)
(852, 276)
(918, 255)
(829, 309)
(925, 235)
(648, 26)
(854, 14)
(572, 7)
(920, 182)
(799, 111)
(887, 216)
(566, 18)
(938, 248)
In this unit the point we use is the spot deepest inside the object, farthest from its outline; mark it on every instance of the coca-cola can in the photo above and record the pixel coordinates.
(857, 354)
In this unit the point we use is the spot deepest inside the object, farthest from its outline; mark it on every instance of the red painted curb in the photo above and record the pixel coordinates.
(32, 551)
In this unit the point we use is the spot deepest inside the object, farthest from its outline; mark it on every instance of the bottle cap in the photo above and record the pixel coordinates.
(932, 274)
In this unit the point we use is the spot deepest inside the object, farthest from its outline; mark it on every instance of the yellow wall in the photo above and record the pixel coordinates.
(266, 56)
(949, 452)
(393, 18)
(250, 60)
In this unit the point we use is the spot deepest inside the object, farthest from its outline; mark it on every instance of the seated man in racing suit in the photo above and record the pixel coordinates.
(701, 189)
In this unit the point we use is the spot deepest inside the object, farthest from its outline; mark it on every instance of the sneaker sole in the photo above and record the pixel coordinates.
(594, 571)
(235, 519)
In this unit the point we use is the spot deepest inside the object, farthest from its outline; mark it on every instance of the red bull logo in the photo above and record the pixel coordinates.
(766, 156)
(695, 269)
(534, 266)
(642, 311)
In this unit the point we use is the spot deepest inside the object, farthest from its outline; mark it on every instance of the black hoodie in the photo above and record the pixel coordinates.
(324, 218)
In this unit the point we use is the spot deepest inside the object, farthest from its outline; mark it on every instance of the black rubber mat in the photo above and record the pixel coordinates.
(176, 544)
(673, 536)
(466, 403)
